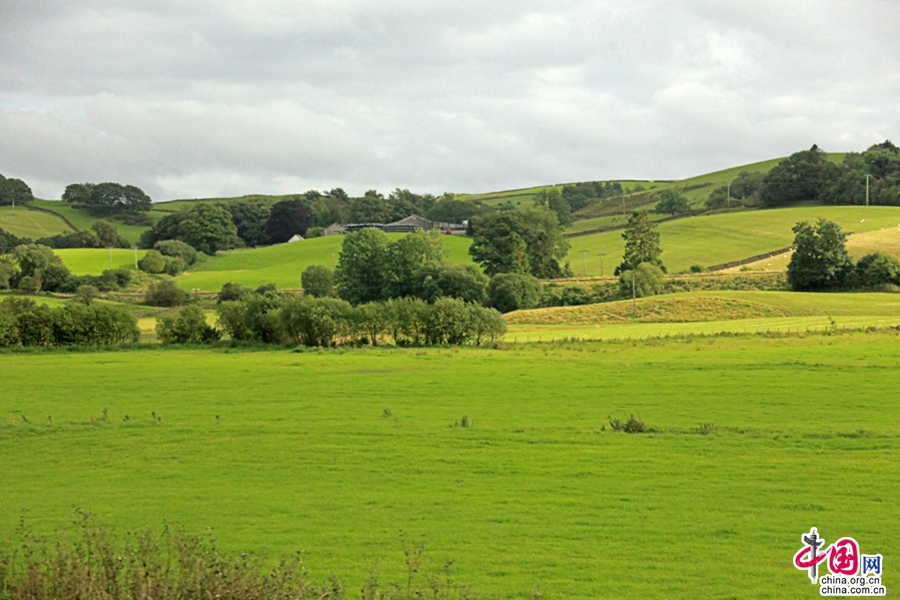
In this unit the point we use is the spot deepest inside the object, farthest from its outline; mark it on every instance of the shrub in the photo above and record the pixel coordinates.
(177, 249)
(448, 321)
(187, 326)
(632, 425)
(231, 292)
(317, 281)
(372, 320)
(233, 321)
(260, 315)
(28, 284)
(315, 321)
(35, 326)
(646, 282)
(877, 269)
(698, 269)
(174, 265)
(406, 320)
(122, 277)
(86, 294)
(485, 324)
(314, 232)
(513, 291)
(153, 262)
(165, 293)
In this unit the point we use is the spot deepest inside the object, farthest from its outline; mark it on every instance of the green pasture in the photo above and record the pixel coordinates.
(33, 224)
(93, 261)
(715, 239)
(350, 456)
(282, 264)
(83, 219)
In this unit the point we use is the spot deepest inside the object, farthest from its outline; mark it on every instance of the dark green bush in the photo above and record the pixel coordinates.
(317, 281)
(165, 293)
(187, 326)
(231, 292)
(153, 262)
(513, 291)
(177, 249)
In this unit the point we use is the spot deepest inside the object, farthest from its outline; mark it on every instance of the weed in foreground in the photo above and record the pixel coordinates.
(632, 425)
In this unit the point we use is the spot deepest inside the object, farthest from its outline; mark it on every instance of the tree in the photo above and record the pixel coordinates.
(641, 243)
(14, 191)
(86, 294)
(803, 175)
(443, 280)
(448, 209)
(287, 219)
(527, 240)
(820, 260)
(513, 291)
(671, 202)
(317, 281)
(646, 281)
(360, 271)
(371, 208)
(404, 259)
(554, 200)
(878, 269)
(250, 219)
(8, 241)
(108, 236)
(107, 198)
(206, 227)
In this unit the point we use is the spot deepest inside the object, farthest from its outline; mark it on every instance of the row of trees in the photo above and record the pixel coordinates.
(107, 198)
(25, 323)
(267, 317)
(33, 267)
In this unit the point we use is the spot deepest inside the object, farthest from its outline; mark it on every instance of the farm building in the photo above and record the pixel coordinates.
(408, 225)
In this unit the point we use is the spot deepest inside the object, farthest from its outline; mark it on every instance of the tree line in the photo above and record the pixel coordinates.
(26, 323)
(268, 317)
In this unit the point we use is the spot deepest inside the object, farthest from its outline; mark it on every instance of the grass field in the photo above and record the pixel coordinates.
(33, 224)
(292, 451)
(716, 239)
(283, 264)
(93, 261)
(83, 220)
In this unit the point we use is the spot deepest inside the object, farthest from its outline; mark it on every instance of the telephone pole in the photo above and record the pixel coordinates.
(867, 189)
(601, 255)
(584, 263)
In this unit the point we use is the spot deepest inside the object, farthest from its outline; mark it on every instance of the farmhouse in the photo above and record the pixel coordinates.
(408, 225)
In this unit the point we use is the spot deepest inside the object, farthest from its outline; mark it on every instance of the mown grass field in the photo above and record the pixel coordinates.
(83, 219)
(292, 451)
(715, 239)
(33, 224)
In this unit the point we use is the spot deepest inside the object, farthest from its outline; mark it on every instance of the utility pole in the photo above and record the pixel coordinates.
(332, 261)
(728, 198)
(867, 189)
(584, 263)
(135, 257)
(110, 257)
(633, 296)
(601, 255)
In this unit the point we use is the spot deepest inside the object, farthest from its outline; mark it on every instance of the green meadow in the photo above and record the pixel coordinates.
(715, 239)
(33, 224)
(350, 456)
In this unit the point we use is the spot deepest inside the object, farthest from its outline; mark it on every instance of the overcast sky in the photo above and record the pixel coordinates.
(199, 98)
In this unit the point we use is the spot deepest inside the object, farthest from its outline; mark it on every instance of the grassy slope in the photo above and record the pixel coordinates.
(536, 494)
(525, 196)
(32, 224)
(83, 220)
(282, 264)
(715, 239)
(93, 261)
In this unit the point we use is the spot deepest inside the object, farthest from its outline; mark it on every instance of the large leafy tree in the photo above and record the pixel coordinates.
(527, 241)
(206, 227)
(107, 198)
(820, 261)
(250, 219)
(360, 272)
(14, 191)
(554, 200)
(641, 243)
(289, 218)
(671, 202)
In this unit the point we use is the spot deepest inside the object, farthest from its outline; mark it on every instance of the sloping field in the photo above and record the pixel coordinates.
(83, 220)
(33, 224)
(715, 239)
(283, 264)
(886, 241)
(93, 261)
(293, 451)
(525, 196)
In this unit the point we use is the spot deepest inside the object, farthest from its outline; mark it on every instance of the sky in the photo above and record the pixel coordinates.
(211, 98)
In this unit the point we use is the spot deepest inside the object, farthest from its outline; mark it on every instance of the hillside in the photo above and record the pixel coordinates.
(715, 239)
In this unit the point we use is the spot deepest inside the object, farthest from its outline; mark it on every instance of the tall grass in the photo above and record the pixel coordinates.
(92, 562)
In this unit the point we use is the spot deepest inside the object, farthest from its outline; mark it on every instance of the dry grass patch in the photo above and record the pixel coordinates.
(649, 310)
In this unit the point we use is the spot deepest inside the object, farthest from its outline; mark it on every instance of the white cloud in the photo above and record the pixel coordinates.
(194, 99)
